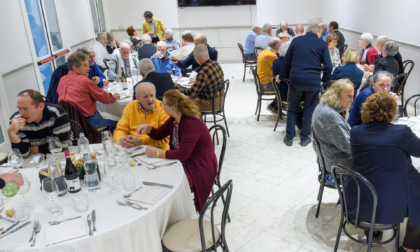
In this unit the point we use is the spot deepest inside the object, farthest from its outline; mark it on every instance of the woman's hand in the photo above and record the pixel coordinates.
(12, 177)
(144, 128)
(154, 152)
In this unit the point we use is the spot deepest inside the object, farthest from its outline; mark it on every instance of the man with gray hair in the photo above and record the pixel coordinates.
(208, 78)
(284, 28)
(263, 39)
(250, 42)
(162, 81)
(101, 52)
(162, 62)
(324, 31)
(147, 49)
(306, 60)
(380, 42)
(122, 60)
(95, 74)
(388, 62)
(299, 30)
(171, 43)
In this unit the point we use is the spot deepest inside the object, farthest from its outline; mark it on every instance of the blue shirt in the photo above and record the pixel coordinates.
(355, 117)
(164, 65)
(250, 42)
(324, 35)
(95, 71)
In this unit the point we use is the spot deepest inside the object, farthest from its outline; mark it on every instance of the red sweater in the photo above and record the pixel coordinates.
(82, 93)
(195, 152)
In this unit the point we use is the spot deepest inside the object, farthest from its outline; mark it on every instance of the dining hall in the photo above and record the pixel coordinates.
(180, 125)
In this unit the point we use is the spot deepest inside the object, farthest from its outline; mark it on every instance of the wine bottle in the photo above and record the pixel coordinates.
(123, 78)
(71, 175)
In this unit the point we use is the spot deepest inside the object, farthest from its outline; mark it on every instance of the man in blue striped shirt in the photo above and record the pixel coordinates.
(250, 42)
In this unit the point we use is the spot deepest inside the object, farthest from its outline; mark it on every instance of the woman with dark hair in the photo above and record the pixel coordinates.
(187, 46)
(190, 143)
(134, 40)
(381, 152)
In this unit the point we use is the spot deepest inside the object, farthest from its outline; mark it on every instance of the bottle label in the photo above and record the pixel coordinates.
(73, 185)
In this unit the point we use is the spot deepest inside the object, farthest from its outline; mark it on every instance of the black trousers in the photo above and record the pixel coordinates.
(155, 40)
(412, 236)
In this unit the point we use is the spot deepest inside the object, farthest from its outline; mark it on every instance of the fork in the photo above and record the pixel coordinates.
(37, 229)
(161, 165)
(36, 223)
(128, 202)
(128, 195)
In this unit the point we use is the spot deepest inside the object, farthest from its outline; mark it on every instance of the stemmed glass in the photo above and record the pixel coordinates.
(54, 145)
(112, 172)
(15, 159)
(50, 191)
(23, 189)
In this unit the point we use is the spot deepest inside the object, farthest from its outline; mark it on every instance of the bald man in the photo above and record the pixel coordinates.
(144, 110)
(250, 42)
(122, 58)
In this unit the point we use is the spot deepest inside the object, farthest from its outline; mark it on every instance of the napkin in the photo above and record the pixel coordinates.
(149, 194)
(65, 231)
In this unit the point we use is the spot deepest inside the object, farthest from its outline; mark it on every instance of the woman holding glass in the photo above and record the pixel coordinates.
(381, 151)
(190, 142)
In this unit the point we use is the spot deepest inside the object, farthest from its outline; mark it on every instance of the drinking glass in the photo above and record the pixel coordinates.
(106, 135)
(23, 189)
(39, 160)
(54, 145)
(111, 171)
(50, 191)
(109, 148)
(15, 159)
(122, 160)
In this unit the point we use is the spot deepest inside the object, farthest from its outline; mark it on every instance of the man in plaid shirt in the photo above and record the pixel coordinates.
(209, 76)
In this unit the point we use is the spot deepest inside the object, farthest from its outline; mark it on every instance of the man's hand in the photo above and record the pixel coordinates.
(174, 59)
(156, 55)
(277, 78)
(105, 82)
(192, 80)
(16, 125)
(117, 96)
(130, 141)
(151, 32)
(96, 79)
(365, 67)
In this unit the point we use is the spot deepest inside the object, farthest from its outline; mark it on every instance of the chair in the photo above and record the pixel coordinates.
(282, 105)
(200, 234)
(399, 85)
(416, 99)
(222, 88)
(324, 172)
(76, 129)
(257, 51)
(344, 47)
(348, 177)
(408, 65)
(247, 63)
(106, 64)
(52, 96)
(260, 92)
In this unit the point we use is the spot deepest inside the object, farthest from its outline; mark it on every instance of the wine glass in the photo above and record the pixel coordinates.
(54, 145)
(23, 189)
(50, 191)
(112, 172)
(15, 159)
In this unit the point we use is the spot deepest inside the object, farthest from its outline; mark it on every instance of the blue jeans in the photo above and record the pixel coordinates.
(311, 100)
(98, 122)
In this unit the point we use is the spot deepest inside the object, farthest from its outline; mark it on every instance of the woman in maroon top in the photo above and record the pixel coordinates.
(190, 142)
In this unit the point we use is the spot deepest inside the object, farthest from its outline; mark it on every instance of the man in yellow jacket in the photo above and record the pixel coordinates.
(144, 110)
(154, 27)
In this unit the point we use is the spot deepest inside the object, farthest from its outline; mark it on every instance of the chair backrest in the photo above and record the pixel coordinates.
(218, 98)
(211, 205)
(345, 178)
(344, 48)
(52, 96)
(76, 129)
(106, 63)
(257, 51)
(408, 66)
(415, 98)
(399, 83)
(241, 48)
(256, 79)
(215, 130)
(320, 157)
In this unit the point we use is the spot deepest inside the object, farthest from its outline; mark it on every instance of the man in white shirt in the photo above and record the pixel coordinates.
(100, 50)
(122, 58)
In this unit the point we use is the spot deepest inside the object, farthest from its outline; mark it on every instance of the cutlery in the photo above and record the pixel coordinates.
(6, 219)
(89, 221)
(138, 155)
(128, 195)
(9, 228)
(14, 230)
(137, 162)
(37, 230)
(94, 220)
(58, 222)
(36, 223)
(133, 149)
(162, 165)
(135, 206)
(157, 184)
(128, 202)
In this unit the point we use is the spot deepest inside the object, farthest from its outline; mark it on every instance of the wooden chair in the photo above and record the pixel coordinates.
(415, 98)
(219, 96)
(408, 66)
(247, 63)
(261, 94)
(257, 51)
(282, 105)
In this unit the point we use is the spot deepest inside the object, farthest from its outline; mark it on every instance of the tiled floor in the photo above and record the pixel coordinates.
(274, 186)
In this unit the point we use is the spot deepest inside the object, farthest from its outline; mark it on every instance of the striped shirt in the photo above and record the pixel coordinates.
(54, 122)
(208, 77)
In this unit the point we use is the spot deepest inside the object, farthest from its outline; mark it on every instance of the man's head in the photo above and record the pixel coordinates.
(30, 104)
(267, 29)
(162, 48)
(79, 63)
(314, 28)
(283, 26)
(365, 39)
(148, 16)
(187, 38)
(146, 66)
(146, 95)
(380, 42)
(275, 44)
(89, 52)
(109, 37)
(131, 31)
(283, 36)
(146, 38)
(101, 38)
(125, 50)
(381, 81)
(256, 29)
(201, 54)
(299, 29)
(391, 48)
(323, 27)
(339, 95)
(333, 26)
(200, 39)
(169, 33)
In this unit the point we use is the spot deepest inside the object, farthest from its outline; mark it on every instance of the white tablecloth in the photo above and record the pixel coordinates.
(414, 124)
(119, 228)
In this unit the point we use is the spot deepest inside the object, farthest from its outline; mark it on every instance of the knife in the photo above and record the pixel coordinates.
(94, 220)
(138, 155)
(89, 221)
(9, 228)
(162, 165)
(16, 229)
(157, 184)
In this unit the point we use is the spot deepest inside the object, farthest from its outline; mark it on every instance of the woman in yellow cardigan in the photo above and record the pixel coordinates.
(154, 27)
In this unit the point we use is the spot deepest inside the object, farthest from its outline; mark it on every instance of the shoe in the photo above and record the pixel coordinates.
(288, 141)
(329, 180)
(272, 109)
(305, 142)
(376, 234)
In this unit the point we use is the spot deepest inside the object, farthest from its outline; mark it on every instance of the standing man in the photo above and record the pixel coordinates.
(154, 27)
(250, 42)
(307, 57)
(299, 30)
(333, 28)
(101, 52)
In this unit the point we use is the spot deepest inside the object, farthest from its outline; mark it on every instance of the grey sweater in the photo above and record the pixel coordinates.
(333, 134)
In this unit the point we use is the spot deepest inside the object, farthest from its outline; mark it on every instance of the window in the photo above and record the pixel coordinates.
(1, 136)
(98, 16)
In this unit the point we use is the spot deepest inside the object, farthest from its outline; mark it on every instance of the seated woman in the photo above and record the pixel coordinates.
(381, 152)
(170, 41)
(134, 40)
(332, 40)
(369, 55)
(349, 70)
(187, 46)
(190, 142)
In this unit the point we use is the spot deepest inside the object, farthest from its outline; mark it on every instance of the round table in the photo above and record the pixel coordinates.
(119, 228)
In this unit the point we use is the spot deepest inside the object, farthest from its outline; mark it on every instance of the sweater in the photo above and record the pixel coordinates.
(265, 65)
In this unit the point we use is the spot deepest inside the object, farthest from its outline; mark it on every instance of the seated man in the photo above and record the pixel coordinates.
(147, 49)
(250, 42)
(144, 110)
(122, 58)
(209, 76)
(380, 42)
(76, 89)
(162, 62)
(284, 28)
(101, 52)
(95, 74)
(36, 120)
(263, 39)
(199, 39)
(388, 62)
(162, 81)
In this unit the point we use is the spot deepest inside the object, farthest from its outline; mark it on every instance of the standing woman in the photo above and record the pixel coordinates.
(190, 143)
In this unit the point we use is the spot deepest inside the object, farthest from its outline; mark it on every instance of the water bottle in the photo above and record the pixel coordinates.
(83, 144)
(56, 173)
(91, 175)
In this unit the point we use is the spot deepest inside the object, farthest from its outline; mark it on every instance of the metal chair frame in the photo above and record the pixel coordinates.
(76, 129)
(247, 63)
(222, 88)
(280, 102)
(415, 103)
(260, 93)
(257, 51)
